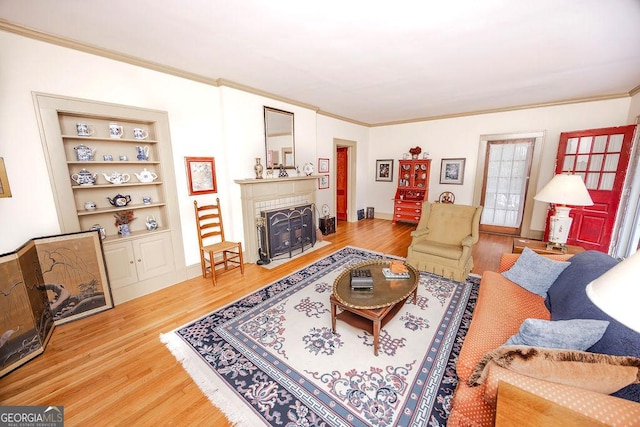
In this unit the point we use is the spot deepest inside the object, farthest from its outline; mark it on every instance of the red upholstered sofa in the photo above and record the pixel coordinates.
(501, 308)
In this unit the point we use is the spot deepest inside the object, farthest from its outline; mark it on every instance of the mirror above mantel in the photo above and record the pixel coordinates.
(279, 138)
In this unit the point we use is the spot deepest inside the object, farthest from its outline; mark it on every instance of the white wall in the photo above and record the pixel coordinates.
(460, 137)
(228, 124)
(204, 121)
(29, 65)
(243, 129)
(328, 130)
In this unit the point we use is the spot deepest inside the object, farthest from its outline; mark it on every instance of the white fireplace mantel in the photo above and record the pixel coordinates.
(260, 194)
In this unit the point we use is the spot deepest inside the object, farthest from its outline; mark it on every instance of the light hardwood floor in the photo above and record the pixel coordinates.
(111, 368)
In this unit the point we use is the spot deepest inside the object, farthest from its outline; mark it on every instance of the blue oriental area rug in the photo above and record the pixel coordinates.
(271, 358)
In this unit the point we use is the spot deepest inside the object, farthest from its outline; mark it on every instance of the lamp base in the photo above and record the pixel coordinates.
(558, 247)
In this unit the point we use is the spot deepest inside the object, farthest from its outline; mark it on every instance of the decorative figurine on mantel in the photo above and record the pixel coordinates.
(258, 168)
(415, 152)
(283, 172)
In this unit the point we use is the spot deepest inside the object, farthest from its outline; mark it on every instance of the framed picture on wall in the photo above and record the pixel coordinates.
(384, 170)
(323, 182)
(323, 165)
(201, 175)
(452, 171)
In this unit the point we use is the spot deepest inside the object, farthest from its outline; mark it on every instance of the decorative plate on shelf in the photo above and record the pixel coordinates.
(325, 210)
(307, 169)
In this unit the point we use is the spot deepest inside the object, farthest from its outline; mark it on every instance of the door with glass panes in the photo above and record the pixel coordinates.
(506, 177)
(601, 158)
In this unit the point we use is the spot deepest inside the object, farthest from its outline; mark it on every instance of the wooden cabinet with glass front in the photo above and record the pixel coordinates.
(413, 190)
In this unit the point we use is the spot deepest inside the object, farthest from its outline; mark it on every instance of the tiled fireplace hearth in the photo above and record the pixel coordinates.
(260, 195)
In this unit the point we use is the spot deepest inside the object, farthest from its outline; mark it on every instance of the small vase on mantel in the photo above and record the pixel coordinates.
(258, 168)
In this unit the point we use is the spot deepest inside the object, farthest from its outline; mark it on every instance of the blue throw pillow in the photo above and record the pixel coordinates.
(534, 272)
(576, 334)
(567, 299)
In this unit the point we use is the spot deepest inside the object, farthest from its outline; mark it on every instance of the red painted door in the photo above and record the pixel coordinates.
(601, 158)
(342, 160)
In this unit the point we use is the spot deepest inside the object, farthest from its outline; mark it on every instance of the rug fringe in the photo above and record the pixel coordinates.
(214, 389)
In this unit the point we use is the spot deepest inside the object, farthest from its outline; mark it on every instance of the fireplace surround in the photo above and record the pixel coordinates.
(259, 195)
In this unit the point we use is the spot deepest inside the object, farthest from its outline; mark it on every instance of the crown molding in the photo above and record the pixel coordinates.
(99, 51)
(507, 109)
(254, 91)
(344, 119)
(634, 91)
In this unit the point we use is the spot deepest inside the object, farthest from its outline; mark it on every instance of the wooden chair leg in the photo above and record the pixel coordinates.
(213, 268)
(203, 264)
(240, 256)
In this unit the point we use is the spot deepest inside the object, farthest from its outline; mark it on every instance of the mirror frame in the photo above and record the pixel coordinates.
(272, 129)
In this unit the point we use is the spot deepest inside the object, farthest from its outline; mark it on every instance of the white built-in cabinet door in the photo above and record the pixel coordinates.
(154, 255)
(121, 266)
(131, 261)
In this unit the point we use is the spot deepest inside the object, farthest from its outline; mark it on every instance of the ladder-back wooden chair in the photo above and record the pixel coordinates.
(212, 241)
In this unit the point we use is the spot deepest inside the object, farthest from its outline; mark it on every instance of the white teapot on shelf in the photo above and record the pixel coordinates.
(117, 177)
(84, 177)
(146, 176)
(151, 223)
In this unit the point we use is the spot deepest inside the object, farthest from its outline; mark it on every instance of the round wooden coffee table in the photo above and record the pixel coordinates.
(371, 309)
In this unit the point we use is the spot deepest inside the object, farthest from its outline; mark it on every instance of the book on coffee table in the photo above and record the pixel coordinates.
(389, 275)
(361, 279)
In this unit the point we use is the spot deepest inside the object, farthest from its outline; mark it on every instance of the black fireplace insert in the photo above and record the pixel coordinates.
(288, 231)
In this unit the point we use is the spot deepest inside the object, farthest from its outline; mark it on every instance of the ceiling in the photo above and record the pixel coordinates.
(372, 61)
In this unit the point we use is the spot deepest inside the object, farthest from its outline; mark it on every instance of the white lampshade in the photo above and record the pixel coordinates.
(566, 190)
(617, 292)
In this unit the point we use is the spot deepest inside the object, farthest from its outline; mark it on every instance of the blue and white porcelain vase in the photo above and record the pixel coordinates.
(124, 230)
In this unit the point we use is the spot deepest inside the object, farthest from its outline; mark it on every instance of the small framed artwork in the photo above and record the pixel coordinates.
(323, 165)
(323, 182)
(5, 191)
(201, 174)
(384, 170)
(452, 171)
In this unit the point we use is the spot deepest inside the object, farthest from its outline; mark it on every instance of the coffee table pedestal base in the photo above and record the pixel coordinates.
(371, 320)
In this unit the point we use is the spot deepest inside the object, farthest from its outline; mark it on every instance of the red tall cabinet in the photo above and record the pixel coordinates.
(413, 190)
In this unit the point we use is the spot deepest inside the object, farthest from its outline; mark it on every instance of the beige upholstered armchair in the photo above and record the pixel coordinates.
(443, 240)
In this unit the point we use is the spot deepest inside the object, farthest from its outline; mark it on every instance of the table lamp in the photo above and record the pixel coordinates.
(616, 292)
(563, 190)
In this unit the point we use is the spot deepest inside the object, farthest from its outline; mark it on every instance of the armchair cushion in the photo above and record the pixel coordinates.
(439, 249)
(448, 223)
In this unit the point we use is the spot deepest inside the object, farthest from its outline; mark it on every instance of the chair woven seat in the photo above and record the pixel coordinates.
(212, 241)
